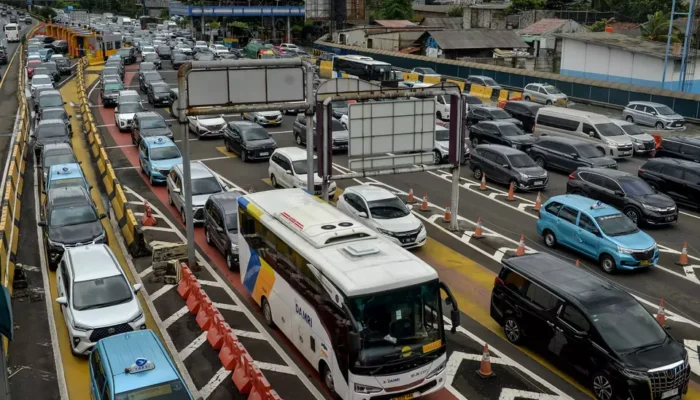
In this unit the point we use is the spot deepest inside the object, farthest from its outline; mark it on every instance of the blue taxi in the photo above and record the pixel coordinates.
(157, 155)
(134, 365)
(598, 231)
(66, 175)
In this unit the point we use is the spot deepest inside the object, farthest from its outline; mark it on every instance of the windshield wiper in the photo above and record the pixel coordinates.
(108, 304)
(647, 347)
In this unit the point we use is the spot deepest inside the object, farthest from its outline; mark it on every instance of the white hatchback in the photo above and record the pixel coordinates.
(384, 212)
(288, 169)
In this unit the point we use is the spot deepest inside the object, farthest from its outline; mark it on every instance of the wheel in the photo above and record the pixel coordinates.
(512, 330)
(150, 180)
(548, 102)
(170, 199)
(629, 119)
(578, 193)
(207, 236)
(244, 157)
(297, 138)
(52, 266)
(539, 160)
(437, 157)
(602, 387)
(659, 125)
(608, 264)
(549, 239)
(327, 375)
(229, 261)
(273, 181)
(267, 313)
(527, 98)
(133, 140)
(514, 183)
(475, 142)
(438, 115)
(182, 214)
(478, 174)
(228, 147)
(633, 214)
(143, 171)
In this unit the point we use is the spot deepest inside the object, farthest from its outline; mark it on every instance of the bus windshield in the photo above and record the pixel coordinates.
(397, 324)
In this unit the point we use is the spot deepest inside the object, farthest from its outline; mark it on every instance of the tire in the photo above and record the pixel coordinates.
(478, 173)
(512, 330)
(539, 160)
(182, 215)
(229, 262)
(527, 98)
(602, 387)
(607, 263)
(244, 157)
(549, 239)
(170, 199)
(52, 266)
(228, 147)
(437, 157)
(151, 181)
(327, 377)
(548, 102)
(207, 236)
(438, 115)
(267, 313)
(633, 214)
(273, 181)
(659, 125)
(514, 183)
(475, 142)
(143, 171)
(297, 139)
(629, 119)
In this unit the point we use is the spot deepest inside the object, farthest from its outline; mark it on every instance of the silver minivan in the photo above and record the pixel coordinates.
(204, 184)
(545, 94)
(591, 127)
(657, 115)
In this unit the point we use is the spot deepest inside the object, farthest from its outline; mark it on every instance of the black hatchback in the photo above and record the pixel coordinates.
(679, 179)
(500, 132)
(591, 326)
(626, 192)
(685, 148)
(565, 154)
(523, 111)
(485, 113)
(249, 139)
(507, 165)
(221, 225)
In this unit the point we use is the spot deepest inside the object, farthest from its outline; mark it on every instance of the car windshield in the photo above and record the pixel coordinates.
(147, 66)
(129, 108)
(616, 225)
(300, 166)
(490, 82)
(511, 130)
(67, 216)
(53, 114)
(103, 292)
(180, 57)
(521, 161)
(551, 90)
(114, 86)
(53, 130)
(208, 185)
(663, 110)
(110, 71)
(58, 159)
(42, 80)
(152, 77)
(609, 129)
(153, 123)
(165, 153)
(67, 182)
(124, 52)
(588, 151)
(256, 133)
(151, 57)
(337, 126)
(632, 129)
(161, 89)
(232, 222)
(427, 70)
(50, 101)
(500, 114)
(442, 134)
(636, 187)
(206, 56)
(387, 208)
(173, 390)
(50, 66)
(474, 100)
(339, 104)
(627, 326)
(397, 324)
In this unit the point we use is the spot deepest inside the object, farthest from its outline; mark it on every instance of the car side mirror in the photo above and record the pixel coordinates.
(581, 335)
(653, 113)
(219, 229)
(574, 155)
(596, 232)
(62, 301)
(70, 117)
(64, 103)
(507, 166)
(102, 216)
(619, 193)
(42, 224)
(116, 110)
(289, 172)
(591, 134)
(170, 125)
(176, 190)
(33, 136)
(90, 187)
(137, 287)
(362, 214)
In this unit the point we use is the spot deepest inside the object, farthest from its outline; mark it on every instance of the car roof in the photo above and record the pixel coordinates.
(69, 195)
(682, 139)
(41, 76)
(611, 173)
(574, 284)
(52, 122)
(227, 200)
(128, 92)
(540, 84)
(560, 139)
(505, 150)
(91, 262)
(197, 170)
(647, 103)
(149, 114)
(293, 153)
(121, 351)
(371, 192)
(56, 147)
(490, 108)
(664, 160)
(50, 92)
(498, 122)
(244, 124)
(158, 141)
(528, 104)
(159, 83)
(65, 171)
(585, 204)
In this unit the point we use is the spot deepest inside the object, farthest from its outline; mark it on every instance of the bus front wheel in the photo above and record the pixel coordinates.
(267, 313)
(327, 375)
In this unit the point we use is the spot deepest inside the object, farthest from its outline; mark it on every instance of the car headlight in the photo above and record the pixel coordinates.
(99, 238)
(526, 176)
(437, 370)
(634, 374)
(651, 208)
(234, 248)
(79, 327)
(137, 317)
(301, 182)
(624, 250)
(365, 389)
(385, 232)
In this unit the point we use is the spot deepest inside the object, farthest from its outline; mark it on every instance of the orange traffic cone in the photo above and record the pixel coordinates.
(521, 246)
(448, 214)
(478, 232)
(511, 192)
(483, 181)
(485, 370)
(538, 202)
(424, 204)
(578, 263)
(148, 219)
(683, 260)
(411, 199)
(661, 314)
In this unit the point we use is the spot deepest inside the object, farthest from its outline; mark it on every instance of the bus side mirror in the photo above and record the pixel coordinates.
(355, 343)
(454, 319)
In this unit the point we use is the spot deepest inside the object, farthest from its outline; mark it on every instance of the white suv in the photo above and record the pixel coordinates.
(204, 184)
(288, 169)
(95, 297)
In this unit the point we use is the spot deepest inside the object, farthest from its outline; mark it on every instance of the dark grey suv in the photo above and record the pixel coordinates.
(507, 165)
(221, 225)
(567, 154)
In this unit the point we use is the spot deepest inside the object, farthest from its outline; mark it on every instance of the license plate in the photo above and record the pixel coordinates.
(272, 120)
(265, 153)
(539, 182)
(404, 397)
(645, 262)
(670, 218)
(408, 239)
(669, 393)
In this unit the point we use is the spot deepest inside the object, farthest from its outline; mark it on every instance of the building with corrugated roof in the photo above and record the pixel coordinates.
(541, 38)
(465, 43)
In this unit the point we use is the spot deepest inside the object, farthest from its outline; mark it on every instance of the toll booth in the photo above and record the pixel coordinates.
(85, 41)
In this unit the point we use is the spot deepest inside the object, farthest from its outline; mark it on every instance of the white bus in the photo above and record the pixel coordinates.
(364, 312)
(12, 32)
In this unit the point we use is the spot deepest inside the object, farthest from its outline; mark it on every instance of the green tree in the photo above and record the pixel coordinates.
(396, 9)
(88, 5)
(165, 13)
(455, 12)
(525, 5)
(656, 28)
(598, 26)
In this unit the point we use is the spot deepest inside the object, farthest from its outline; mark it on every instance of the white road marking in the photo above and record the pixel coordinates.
(156, 228)
(163, 290)
(274, 367)
(249, 334)
(194, 345)
(229, 307)
(145, 272)
(213, 383)
(177, 315)
(209, 283)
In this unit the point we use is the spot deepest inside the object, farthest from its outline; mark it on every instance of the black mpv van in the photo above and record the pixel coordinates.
(591, 325)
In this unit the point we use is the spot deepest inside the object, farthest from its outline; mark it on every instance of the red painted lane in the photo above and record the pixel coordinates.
(234, 278)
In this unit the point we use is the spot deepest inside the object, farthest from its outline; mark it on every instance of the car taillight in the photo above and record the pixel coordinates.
(640, 171)
(572, 176)
(498, 281)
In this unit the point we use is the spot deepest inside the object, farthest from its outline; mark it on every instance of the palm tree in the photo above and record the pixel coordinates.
(656, 28)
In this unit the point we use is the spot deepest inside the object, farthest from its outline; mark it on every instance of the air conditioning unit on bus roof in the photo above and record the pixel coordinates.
(324, 228)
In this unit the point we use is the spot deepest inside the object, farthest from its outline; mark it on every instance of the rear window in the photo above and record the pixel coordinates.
(557, 122)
